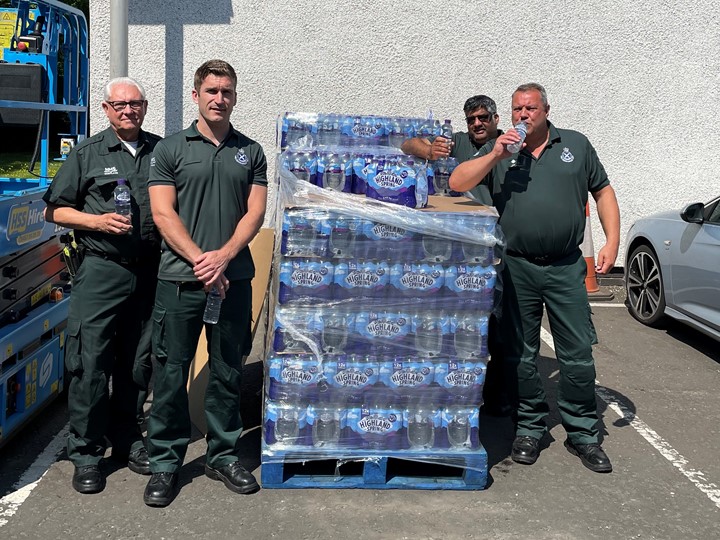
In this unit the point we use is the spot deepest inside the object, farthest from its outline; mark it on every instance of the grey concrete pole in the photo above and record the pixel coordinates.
(118, 38)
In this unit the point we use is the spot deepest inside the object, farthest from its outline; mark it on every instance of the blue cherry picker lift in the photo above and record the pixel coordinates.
(44, 70)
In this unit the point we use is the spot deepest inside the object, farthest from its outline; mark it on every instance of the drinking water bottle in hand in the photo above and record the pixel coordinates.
(122, 198)
(446, 131)
(212, 307)
(521, 129)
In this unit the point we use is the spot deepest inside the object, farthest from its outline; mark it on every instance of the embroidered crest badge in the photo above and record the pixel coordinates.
(566, 156)
(241, 157)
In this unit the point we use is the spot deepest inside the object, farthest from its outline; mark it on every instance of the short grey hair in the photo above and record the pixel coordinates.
(122, 80)
(534, 86)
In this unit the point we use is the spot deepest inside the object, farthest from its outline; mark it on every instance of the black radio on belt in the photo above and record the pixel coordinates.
(72, 254)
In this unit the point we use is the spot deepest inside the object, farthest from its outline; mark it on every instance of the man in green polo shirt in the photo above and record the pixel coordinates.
(482, 120)
(109, 322)
(208, 190)
(540, 193)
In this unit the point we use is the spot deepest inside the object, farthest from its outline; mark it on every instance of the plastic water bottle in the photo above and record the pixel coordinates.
(298, 233)
(287, 424)
(477, 251)
(468, 337)
(521, 129)
(342, 236)
(334, 174)
(435, 248)
(396, 132)
(458, 428)
(437, 128)
(212, 307)
(123, 205)
(326, 420)
(441, 177)
(334, 330)
(429, 333)
(446, 131)
(297, 130)
(329, 129)
(420, 422)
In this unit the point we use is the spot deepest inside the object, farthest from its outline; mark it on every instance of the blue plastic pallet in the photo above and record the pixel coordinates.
(400, 470)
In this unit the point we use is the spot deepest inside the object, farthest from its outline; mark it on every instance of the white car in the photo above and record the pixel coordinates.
(672, 267)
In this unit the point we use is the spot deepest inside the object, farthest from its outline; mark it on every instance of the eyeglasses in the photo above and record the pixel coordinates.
(119, 106)
(482, 117)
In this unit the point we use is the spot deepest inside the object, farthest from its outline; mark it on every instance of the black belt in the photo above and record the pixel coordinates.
(189, 285)
(540, 260)
(124, 261)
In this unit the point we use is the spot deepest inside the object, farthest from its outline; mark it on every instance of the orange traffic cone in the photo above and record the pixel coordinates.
(588, 251)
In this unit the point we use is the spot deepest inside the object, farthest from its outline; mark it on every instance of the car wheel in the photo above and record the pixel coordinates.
(644, 286)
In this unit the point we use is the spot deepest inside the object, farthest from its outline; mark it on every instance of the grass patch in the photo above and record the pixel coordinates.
(15, 165)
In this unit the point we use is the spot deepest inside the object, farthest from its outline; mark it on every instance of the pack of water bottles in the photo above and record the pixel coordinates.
(306, 130)
(361, 155)
(380, 173)
(379, 326)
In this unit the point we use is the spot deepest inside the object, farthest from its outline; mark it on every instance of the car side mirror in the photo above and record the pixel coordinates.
(693, 213)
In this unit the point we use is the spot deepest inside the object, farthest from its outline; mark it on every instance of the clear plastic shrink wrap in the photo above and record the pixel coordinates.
(321, 146)
(379, 324)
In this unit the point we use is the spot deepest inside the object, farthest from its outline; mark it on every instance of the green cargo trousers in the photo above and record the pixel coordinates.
(177, 323)
(560, 287)
(108, 335)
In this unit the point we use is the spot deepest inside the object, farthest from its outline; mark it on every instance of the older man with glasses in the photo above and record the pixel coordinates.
(109, 331)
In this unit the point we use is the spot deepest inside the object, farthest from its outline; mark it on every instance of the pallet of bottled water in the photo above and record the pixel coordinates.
(361, 155)
(378, 349)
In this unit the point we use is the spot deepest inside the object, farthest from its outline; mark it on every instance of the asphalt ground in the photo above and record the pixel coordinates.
(658, 397)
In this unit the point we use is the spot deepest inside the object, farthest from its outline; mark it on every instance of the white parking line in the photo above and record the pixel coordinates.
(663, 447)
(11, 502)
(607, 304)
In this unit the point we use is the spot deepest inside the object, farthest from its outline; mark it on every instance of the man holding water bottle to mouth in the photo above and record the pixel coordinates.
(540, 192)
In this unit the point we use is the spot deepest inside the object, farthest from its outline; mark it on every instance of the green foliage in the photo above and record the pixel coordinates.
(15, 165)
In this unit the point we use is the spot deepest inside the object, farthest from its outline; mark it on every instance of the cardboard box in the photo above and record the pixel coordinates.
(261, 248)
(438, 203)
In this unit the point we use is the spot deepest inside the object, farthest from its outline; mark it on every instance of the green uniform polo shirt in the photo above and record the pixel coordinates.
(541, 201)
(86, 182)
(463, 149)
(213, 184)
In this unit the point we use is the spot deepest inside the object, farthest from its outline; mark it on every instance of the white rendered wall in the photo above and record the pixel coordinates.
(640, 79)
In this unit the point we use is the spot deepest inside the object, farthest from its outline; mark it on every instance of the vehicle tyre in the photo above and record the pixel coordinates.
(644, 286)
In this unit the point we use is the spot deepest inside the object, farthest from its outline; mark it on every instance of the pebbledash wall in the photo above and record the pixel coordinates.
(640, 79)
